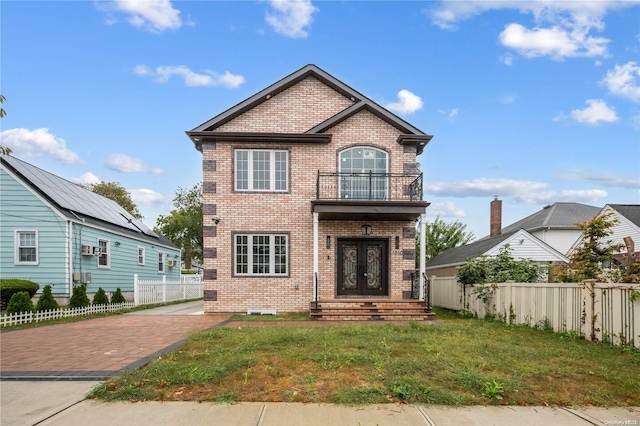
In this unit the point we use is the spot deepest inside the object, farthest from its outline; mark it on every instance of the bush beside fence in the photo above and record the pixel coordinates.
(596, 311)
(27, 317)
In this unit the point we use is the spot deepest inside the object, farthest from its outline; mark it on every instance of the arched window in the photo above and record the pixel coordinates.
(363, 173)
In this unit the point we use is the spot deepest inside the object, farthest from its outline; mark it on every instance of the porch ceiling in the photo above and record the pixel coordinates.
(368, 210)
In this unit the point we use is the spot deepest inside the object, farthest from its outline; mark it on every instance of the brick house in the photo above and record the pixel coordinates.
(311, 197)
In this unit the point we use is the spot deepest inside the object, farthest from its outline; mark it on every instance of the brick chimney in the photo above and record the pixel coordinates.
(496, 218)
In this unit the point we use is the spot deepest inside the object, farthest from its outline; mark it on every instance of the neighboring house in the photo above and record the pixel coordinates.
(556, 224)
(311, 193)
(523, 245)
(626, 231)
(54, 232)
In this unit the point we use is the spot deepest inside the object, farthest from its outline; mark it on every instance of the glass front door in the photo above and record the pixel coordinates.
(362, 267)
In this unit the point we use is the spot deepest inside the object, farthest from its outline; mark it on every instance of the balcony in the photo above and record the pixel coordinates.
(368, 196)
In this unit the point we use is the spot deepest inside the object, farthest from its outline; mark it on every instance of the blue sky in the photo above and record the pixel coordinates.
(536, 102)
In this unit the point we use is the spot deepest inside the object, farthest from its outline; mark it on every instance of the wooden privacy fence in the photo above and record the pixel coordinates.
(154, 291)
(27, 317)
(597, 311)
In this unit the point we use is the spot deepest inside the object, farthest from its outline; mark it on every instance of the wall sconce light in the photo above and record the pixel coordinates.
(117, 243)
(366, 229)
(397, 243)
(328, 242)
(216, 221)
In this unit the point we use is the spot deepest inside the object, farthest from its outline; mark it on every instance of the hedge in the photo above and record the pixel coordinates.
(11, 286)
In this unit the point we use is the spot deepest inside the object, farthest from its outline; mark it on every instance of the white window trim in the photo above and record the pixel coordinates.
(108, 265)
(272, 255)
(16, 240)
(162, 260)
(144, 256)
(272, 170)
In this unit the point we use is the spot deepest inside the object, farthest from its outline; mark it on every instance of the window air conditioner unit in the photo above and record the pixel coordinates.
(171, 263)
(87, 250)
(96, 251)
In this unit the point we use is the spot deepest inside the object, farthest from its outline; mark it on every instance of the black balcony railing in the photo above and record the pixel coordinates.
(369, 186)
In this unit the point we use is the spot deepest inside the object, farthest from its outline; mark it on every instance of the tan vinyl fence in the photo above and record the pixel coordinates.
(596, 311)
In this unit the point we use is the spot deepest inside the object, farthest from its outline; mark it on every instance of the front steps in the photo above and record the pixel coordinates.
(370, 310)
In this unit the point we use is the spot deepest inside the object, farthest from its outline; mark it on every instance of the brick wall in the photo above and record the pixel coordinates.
(295, 110)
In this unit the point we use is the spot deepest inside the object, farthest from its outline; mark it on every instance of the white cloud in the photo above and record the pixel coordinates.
(86, 179)
(578, 196)
(163, 73)
(291, 17)
(38, 143)
(482, 187)
(150, 15)
(125, 164)
(603, 179)
(507, 59)
(598, 111)
(507, 98)
(408, 103)
(561, 28)
(623, 81)
(144, 196)
(445, 209)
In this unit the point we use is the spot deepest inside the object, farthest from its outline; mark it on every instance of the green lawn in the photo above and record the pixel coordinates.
(457, 361)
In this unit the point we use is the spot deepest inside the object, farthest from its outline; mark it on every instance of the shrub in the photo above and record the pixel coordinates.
(100, 298)
(11, 286)
(46, 302)
(501, 268)
(117, 297)
(79, 297)
(20, 302)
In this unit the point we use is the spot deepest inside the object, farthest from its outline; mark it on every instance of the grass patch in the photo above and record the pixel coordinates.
(459, 361)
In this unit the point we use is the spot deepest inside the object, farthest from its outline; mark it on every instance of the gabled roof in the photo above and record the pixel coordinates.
(490, 246)
(555, 216)
(630, 211)
(80, 204)
(360, 102)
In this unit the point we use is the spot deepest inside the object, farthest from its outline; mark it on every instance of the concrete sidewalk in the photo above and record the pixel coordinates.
(63, 403)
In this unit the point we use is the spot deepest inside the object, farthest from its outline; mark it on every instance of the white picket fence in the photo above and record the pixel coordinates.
(27, 317)
(597, 311)
(154, 291)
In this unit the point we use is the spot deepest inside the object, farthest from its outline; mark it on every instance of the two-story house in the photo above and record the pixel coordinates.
(312, 194)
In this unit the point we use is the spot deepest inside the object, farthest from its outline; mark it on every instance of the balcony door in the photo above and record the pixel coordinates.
(363, 266)
(363, 173)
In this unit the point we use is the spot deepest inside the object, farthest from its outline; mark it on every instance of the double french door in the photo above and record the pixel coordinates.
(363, 267)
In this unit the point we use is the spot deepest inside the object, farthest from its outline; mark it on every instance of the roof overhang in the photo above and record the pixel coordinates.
(198, 138)
(419, 141)
(369, 210)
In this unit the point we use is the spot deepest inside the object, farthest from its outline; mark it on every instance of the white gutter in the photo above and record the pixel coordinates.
(423, 258)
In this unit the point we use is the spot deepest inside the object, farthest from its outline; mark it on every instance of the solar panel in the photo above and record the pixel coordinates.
(73, 197)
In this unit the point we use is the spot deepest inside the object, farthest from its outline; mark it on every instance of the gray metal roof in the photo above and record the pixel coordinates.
(555, 216)
(77, 203)
(630, 211)
(360, 101)
(458, 255)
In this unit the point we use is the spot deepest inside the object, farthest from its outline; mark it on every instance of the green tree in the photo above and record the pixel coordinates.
(500, 268)
(20, 302)
(117, 297)
(116, 192)
(593, 257)
(100, 298)
(79, 297)
(46, 301)
(3, 149)
(441, 236)
(183, 225)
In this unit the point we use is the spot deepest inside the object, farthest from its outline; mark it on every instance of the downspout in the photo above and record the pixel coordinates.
(423, 259)
(315, 256)
(69, 284)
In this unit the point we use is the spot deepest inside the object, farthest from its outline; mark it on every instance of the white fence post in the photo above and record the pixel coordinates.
(136, 290)
(164, 288)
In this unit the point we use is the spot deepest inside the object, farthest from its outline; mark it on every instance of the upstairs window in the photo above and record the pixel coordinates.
(261, 170)
(141, 256)
(26, 247)
(161, 263)
(363, 173)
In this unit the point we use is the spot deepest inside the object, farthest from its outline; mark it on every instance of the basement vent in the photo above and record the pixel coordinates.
(261, 312)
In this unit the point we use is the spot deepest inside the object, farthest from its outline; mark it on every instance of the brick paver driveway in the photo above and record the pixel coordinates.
(97, 348)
